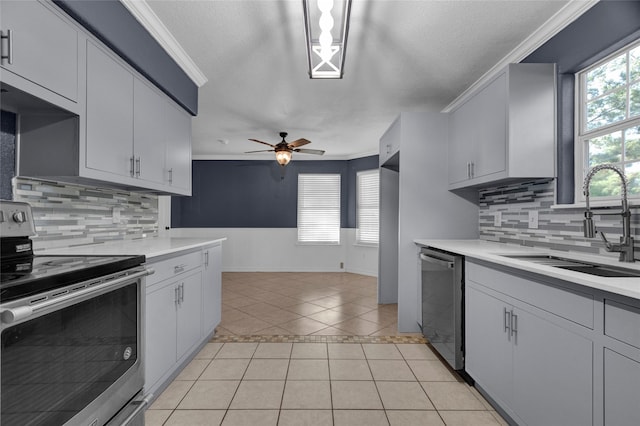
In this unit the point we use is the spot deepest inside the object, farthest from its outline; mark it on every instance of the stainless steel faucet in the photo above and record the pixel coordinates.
(625, 248)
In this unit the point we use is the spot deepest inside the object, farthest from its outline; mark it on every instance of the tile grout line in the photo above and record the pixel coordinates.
(284, 386)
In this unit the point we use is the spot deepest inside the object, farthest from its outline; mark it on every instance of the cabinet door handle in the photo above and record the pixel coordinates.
(473, 169)
(506, 317)
(388, 149)
(138, 161)
(132, 166)
(171, 175)
(206, 258)
(181, 293)
(9, 38)
(176, 297)
(514, 326)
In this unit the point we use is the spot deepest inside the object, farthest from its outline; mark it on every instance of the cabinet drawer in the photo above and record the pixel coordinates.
(173, 266)
(622, 322)
(561, 301)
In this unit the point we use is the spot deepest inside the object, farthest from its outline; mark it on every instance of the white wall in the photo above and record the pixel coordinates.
(276, 249)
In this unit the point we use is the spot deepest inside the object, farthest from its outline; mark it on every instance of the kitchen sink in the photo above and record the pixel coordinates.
(577, 266)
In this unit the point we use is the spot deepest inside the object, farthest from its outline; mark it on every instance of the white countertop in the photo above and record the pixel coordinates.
(150, 247)
(495, 253)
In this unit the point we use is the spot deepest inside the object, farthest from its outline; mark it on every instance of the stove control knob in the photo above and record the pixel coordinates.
(19, 217)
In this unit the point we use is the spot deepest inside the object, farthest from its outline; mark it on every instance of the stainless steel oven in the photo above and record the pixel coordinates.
(442, 304)
(71, 335)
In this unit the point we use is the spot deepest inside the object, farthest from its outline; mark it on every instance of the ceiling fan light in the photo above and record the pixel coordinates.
(283, 157)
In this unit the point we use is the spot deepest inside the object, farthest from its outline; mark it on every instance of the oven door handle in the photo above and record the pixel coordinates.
(140, 406)
(437, 261)
(11, 315)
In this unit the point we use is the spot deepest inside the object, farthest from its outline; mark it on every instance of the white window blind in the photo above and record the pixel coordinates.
(319, 208)
(368, 208)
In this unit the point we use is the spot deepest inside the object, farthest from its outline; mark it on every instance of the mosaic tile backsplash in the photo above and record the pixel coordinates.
(69, 215)
(558, 228)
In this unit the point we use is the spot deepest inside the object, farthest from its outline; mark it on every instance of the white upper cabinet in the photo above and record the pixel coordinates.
(149, 133)
(121, 131)
(109, 117)
(41, 48)
(133, 131)
(177, 128)
(390, 144)
(506, 130)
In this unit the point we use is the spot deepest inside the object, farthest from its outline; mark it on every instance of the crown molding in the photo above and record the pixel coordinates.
(149, 20)
(569, 13)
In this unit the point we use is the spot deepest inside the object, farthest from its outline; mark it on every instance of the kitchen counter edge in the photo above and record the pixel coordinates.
(152, 248)
(498, 253)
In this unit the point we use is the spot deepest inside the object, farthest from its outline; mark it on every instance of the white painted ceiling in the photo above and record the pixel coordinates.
(415, 55)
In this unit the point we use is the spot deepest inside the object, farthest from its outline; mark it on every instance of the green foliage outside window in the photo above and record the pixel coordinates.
(611, 98)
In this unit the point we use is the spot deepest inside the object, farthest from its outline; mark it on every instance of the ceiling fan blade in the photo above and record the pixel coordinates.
(310, 151)
(265, 143)
(298, 143)
(262, 150)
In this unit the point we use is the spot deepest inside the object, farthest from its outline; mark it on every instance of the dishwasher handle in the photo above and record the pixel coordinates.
(445, 263)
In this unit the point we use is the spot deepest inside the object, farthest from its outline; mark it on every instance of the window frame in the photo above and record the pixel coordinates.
(581, 159)
(300, 211)
(359, 174)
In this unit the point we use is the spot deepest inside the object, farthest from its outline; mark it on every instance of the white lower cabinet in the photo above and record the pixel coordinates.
(160, 332)
(211, 288)
(182, 309)
(189, 311)
(621, 389)
(488, 348)
(552, 373)
(621, 353)
(173, 323)
(530, 361)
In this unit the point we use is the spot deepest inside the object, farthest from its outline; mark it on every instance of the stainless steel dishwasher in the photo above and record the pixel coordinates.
(442, 304)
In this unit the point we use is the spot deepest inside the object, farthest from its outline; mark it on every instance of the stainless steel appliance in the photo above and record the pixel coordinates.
(71, 333)
(442, 304)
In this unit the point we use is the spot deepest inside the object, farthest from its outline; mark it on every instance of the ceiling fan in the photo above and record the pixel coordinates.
(283, 149)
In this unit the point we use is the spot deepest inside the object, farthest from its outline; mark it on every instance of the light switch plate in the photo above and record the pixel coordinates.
(497, 219)
(533, 219)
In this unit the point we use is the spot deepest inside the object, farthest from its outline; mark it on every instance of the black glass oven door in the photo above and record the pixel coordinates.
(56, 364)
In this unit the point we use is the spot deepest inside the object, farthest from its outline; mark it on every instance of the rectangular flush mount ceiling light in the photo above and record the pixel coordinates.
(326, 25)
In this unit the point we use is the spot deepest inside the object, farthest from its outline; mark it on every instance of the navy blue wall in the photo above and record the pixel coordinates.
(259, 194)
(603, 29)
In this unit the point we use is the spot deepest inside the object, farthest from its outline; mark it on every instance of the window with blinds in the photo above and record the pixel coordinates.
(319, 208)
(368, 207)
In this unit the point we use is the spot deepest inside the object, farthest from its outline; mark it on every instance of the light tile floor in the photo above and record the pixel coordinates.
(289, 303)
(256, 382)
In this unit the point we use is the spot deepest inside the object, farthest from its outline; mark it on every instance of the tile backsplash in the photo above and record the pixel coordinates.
(67, 215)
(558, 228)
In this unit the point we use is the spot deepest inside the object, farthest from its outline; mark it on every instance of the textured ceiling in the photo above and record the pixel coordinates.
(401, 56)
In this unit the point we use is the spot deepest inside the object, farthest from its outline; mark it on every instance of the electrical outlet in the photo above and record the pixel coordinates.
(341, 265)
(533, 219)
(497, 219)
